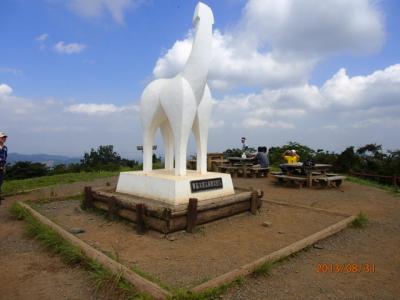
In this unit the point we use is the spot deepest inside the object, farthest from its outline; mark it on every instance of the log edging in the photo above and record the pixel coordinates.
(274, 256)
(142, 284)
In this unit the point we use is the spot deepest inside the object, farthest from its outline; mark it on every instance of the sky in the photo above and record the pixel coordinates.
(323, 73)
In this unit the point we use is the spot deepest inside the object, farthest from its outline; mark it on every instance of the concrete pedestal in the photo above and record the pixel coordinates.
(162, 185)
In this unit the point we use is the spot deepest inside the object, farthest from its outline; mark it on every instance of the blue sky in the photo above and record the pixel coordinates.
(323, 73)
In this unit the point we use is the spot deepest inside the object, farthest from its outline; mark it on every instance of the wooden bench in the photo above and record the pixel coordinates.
(229, 169)
(257, 172)
(332, 179)
(298, 181)
(277, 173)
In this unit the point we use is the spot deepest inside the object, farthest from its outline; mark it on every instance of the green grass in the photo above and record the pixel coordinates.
(103, 280)
(360, 221)
(210, 294)
(12, 187)
(391, 189)
(109, 284)
(263, 270)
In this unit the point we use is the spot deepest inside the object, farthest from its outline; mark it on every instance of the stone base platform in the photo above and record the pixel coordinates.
(163, 186)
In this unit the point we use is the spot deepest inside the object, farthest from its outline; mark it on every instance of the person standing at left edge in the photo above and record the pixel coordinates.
(3, 159)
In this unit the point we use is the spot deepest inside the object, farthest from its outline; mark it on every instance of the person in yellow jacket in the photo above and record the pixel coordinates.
(291, 157)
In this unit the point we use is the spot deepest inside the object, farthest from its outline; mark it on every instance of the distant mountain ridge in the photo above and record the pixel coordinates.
(48, 159)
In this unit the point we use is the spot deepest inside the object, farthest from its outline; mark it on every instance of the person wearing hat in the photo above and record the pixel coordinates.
(290, 157)
(3, 159)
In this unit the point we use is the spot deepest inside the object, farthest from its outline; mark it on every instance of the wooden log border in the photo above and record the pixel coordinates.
(148, 214)
(158, 292)
(274, 256)
(142, 284)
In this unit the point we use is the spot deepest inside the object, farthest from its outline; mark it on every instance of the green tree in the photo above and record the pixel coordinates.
(26, 169)
(104, 158)
(348, 160)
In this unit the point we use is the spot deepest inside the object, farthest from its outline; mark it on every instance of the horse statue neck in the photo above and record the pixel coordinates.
(196, 69)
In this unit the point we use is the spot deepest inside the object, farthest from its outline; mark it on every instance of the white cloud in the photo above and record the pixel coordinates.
(72, 48)
(93, 109)
(232, 68)
(99, 109)
(312, 27)
(5, 89)
(260, 123)
(41, 38)
(12, 104)
(64, 132)
(96, 8)
(356, 102)
(278, 43)
(13, 71)
(330, 127)
(381, 88)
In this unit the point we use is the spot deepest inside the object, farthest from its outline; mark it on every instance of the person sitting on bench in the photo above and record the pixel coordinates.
(262, 157)
(290, 157)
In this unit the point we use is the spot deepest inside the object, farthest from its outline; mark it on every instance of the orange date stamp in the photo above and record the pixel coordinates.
(345, 268)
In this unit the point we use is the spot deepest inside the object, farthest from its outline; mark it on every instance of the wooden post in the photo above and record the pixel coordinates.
(87, 202)
(254, 202)
(395, 180)
(191, 215)
(309, 178)
(140, 218)
(112, 208)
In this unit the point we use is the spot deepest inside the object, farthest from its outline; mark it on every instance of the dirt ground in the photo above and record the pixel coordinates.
(185, 260)
(378, 244)
(27, 271)
(29, 268)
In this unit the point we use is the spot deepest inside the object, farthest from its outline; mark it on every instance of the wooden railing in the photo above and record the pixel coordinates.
(387, 179)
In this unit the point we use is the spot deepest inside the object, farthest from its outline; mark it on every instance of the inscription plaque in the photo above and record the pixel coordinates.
(205, 185)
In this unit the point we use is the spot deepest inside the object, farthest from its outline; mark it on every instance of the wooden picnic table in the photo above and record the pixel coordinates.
(310, 173)
(242, 163)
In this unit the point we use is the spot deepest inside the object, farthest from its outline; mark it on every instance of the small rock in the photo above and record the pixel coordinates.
(171, 238)
(317, 246)
(76, 230)
(281, 232)
(267, 224)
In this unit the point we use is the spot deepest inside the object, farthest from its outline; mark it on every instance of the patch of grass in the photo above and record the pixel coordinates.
(105, 281)
(210, 294)
(152, 278)
(360, 221)
(200, 230)
(389, 188)
(12, 187)
(263, 270)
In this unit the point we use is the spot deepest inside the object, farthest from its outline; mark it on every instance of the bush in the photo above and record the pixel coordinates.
(25, 169)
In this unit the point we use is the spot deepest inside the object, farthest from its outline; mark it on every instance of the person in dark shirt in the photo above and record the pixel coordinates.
(262, 157)
(3, 159)
(261, 160)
